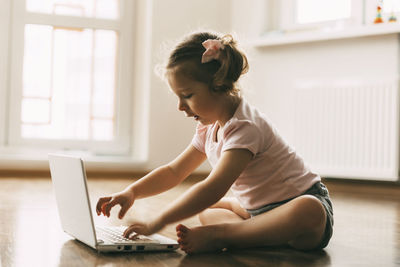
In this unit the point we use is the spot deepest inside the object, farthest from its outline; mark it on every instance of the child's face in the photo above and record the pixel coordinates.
(195, 99)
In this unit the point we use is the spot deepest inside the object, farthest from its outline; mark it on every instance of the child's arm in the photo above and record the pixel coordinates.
(201, 195)
(157, 181)
(168, 176)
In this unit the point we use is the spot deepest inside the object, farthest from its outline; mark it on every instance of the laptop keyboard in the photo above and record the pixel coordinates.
(113, 234)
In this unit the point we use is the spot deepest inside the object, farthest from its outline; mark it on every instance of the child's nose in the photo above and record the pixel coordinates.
(182, 105)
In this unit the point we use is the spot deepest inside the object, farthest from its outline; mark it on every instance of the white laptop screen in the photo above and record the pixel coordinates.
(69, 183)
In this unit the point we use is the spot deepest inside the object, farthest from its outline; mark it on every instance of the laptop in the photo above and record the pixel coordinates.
(69, 181)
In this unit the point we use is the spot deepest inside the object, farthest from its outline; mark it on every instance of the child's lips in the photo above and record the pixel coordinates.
(196, 117)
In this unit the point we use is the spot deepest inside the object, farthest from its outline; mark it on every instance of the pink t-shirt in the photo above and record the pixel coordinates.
(276, 171)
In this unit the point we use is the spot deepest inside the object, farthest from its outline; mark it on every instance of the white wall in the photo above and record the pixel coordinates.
(169, 130)
(276, 71)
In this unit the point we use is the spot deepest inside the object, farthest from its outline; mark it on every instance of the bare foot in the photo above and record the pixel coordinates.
(200, 239)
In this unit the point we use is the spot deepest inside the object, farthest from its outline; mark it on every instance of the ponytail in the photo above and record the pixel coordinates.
(221, 73)
(233, 64)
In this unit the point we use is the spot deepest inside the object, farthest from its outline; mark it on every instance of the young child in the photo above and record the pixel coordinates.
(278, 200)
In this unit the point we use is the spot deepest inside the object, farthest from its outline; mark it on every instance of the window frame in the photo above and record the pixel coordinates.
(121, 145)
(5, 20)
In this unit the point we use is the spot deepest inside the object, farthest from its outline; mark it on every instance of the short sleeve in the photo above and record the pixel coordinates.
(199, 138)
(244, 135)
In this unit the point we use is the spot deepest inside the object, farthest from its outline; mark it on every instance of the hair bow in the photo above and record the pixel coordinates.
(213, 48)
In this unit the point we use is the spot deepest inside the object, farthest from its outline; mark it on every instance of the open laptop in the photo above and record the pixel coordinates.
(69, 181)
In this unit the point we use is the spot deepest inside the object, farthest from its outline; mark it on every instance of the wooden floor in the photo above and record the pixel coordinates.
(366, 230)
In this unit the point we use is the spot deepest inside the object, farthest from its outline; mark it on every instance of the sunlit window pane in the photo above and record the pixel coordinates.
(35, 111)
(390, 6)
(105, 50)
(37, 80)
(102, 129)
(105, 9)
(31, 130)
(80, 84)
(313, 11)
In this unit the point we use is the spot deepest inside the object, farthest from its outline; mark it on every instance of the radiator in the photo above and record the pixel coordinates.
(349, 129)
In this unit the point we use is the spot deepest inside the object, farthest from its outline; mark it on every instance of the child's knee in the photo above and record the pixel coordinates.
(204, 215)
(309, 212)
(201, 216)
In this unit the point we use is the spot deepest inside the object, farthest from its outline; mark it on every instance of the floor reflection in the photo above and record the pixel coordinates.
(75, 253)
(279, 257)
(366, 230)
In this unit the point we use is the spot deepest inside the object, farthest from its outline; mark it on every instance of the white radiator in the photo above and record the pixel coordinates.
(349, 129)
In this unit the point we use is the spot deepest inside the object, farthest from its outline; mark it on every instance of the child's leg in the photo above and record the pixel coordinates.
(226, 210)
(299, 223)
(218, 215)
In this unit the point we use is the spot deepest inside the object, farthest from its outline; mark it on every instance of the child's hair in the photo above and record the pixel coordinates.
(220, 75)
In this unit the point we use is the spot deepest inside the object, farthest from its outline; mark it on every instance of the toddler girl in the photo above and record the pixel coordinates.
(277, 199)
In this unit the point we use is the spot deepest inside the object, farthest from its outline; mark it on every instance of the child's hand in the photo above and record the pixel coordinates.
(144, 228)
(124, 198)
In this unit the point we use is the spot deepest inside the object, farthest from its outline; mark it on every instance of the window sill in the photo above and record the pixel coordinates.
(30, 161)
(279, 38)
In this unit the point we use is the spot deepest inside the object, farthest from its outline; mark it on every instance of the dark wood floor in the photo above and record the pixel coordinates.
(366, 231)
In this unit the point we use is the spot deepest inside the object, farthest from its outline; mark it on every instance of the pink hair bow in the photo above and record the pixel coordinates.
(213, 48)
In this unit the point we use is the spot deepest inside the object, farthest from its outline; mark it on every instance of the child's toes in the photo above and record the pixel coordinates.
(180, 234)
(182, 246)
(182, 241)
(186, 248)
(181, 228)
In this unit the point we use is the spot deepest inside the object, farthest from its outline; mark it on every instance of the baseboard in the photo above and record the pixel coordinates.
(90, 174)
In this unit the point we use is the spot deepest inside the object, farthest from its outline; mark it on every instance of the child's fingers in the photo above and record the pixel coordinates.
(107, 207)
(134, 228)
(122, 212)
(100, 204)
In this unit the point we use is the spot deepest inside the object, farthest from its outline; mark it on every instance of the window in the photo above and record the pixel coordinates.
(315, 11)
(300, 15)
(389, 6)
(66, 87)
(71, 94)
(312, 14)
(391, 10)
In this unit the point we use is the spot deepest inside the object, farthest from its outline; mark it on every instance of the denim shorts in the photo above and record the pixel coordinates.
(319, 191)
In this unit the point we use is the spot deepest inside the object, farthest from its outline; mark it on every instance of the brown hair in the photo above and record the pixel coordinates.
(220, 75)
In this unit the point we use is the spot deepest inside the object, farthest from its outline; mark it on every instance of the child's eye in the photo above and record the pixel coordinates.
(188, 96)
